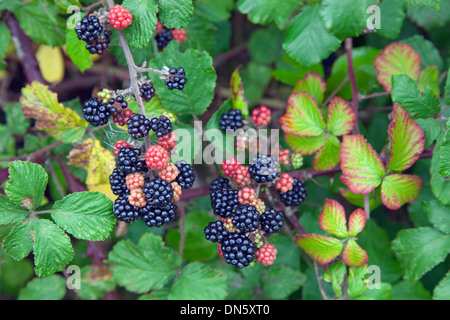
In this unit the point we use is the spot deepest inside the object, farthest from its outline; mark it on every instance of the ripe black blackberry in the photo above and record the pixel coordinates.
(295, 196)
(96, 113)
(215, 231)
(157, 216)
(176, 79)
(89, 29)
(219, 183)
(263, 168)
(158, 192)
(223, 201)
(124, 211)
(118, 182)
(238, 250)
(147, 91)
(186, 175)
(128, 160)
(138, 126)
(271, 221)
(117, 105)
(245, 218)
(232, 120)
(161, 125)
(163, 38)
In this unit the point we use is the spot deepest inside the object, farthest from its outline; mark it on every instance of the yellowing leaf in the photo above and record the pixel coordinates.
(51, 63)
(62, 123)
(98, 162)
(104, 188)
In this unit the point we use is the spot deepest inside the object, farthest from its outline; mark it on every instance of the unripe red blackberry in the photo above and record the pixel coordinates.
(136, 198)
(179, 35)
(261, 116)
(266, 255)
(242, 176)
(169, 173)
(134, 180)
(168, 141)
(177, 191)
(119, 17)
(156, 157)
(246, 195)
(285, 183)
(229, 167)
(119, 145)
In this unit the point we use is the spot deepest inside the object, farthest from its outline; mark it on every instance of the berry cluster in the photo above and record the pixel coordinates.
(119, 17)
(97, 110)
(165, 35)
(261, 116)
(91, 30)
(243, 226)
(176, 79)
(232, 120)
(140, 193)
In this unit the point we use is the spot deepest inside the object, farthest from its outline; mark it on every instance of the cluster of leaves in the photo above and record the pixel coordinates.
(295, 55)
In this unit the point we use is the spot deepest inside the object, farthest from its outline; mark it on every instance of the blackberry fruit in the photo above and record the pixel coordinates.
(147, 91)
(163, 38)
(215, 231)
(271, 221)
(245, 218)
(161, 126)
(232, 120)
(176, 79)
(95, 112)
(263, 168)
(223, 201)
(157, 216)
(138, 126)
(238, 250)
(186, 175)
(219, 183)
(88, 29)
(116, 105)
(158, 192)
(295, 196)
(124, 211)
(101, 44)
(118, 183)
(128, 160)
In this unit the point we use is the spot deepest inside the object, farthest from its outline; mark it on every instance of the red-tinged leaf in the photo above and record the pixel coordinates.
(322, 249)
(357, 222)
(353, 255)
(407, 140)
(341, 117)
(396, 58)
(332, 219)
(398, 189)
(328, 156)
(302, 117)
(361, 166)
(238, 100)
(312, 84)
(305, 145)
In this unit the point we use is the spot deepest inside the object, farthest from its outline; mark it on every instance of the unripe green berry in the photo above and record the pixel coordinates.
(297, 160)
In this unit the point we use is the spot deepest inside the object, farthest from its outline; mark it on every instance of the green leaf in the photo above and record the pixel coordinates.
(15, 119)
(62, 123)
(214, 10)
(356, 285)
(392, 15)
(51, 247)
(440, 185)
(447, 88)
(442, 290)
(141, 30)
(419, 250)
(406, 138)
(95, 282)
(353, 255)
(361, 166)
(51, 288)
(396, 59)
(312, 84)
(429, 76)
(343, 18)
(305, 145)
(438, 214)
(332, 219)
(201, 80)
(429, 3)
(335, 275)
(5, 39)
(429, 54)
(19, 242)
(406, 92)
(258, 49)
(327, 157)
(77, 52)
(302, 117)
(175, 13)
(85, 215)
(40, 21)
(238, 100)
(27, 184)
(11, 212)
(444, 163)
(143, 267)
(398, 189)
(199, 282)
(407, 290)
(322, 249)
(280, 281)
(266, 11)
(307, 40)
